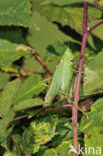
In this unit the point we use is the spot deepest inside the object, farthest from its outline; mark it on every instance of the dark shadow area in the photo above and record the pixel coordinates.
(74, 5)
(52, 50)
(19, 62)
(13, 34)
(70, 32)
(98, 43)
(73, 46)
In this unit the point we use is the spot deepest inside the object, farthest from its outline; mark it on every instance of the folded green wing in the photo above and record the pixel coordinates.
(61, 78)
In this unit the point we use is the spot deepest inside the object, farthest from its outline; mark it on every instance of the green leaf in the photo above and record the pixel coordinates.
(42, 149)
(31, 86)
(44, 129)
(10, 52)
(4, 78)
(95, 38)
(7, 113)
(97, 2)
(56, 13)
(41, 131)
(33, 112)
(30, 64)
(53, 54)
(64, 147)
(10, 153)
(10, 69)
(14, 93)
(94, 75)
(63, 131)
(91, 1)
(50, 152)
(4, 124)
(54, 50)
(66, 12)
(44, 29)
(15, 12)
(8, 96)
(95, 117)
(100, 2)
(93, 141)
(29, 103)
(16, 138)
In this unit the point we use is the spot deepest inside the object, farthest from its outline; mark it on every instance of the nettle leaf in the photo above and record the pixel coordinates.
(29, 103)
(95, 117)
(93, 74)
(46, 33)
(8, 96)
(10, 52)
(15, 12)
(93, 141)
(41, 131)
(31, 86)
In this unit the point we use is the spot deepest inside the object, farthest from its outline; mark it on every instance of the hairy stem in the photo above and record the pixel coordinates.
(78, 82)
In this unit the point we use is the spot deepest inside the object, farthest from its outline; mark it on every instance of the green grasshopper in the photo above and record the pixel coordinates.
(61, 78)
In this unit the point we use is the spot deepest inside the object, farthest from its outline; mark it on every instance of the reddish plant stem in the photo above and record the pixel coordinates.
(47, 109)
(91, 29)
(78, 82)
(58, 107)
(40, 61)
(20, 117)
(79, 76)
